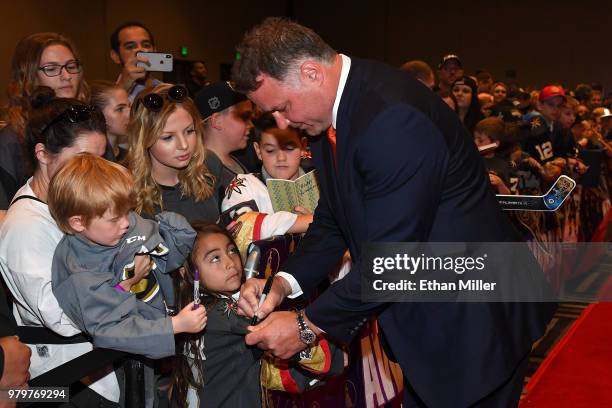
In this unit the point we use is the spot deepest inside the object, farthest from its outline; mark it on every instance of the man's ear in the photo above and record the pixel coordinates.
(115, 57)
(312, 72)
(76, 223)
(257, 150)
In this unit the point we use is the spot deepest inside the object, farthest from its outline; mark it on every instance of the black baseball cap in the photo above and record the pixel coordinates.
(216, 98)
(448, 58)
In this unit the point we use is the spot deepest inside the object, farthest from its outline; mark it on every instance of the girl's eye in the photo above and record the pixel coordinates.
(232, 250)
(269, 151)
(166, 137)
(214, 259)
(190, 131)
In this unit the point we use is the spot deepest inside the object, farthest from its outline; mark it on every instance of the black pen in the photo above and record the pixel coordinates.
(264, 294)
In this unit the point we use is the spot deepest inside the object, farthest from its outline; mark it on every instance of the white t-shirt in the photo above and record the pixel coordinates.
(28, 237)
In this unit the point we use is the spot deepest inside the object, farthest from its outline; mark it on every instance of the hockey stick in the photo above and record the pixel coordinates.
(550, 201)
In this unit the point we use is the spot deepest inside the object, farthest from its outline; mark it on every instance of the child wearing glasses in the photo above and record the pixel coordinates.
(110, 273)
(216, 368)
(172, 169)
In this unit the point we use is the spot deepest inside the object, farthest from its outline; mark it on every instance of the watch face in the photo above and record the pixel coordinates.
(307, 336)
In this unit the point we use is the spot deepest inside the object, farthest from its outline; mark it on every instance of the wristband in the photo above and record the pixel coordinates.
(119, 287)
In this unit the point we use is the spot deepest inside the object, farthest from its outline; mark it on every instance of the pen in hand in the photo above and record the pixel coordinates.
(196, 288)
(264, 294)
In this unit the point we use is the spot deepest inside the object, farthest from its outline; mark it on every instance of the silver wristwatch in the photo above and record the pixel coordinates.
(306, 335)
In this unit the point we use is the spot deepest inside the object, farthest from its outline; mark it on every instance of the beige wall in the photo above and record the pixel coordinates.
(542, 40)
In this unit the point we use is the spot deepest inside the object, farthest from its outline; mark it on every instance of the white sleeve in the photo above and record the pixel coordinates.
(296, 290)
(277, 224)
(27, 266)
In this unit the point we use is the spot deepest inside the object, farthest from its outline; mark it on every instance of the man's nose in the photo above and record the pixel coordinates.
(281, 121)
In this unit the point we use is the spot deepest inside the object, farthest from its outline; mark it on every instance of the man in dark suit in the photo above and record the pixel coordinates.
(402, 169)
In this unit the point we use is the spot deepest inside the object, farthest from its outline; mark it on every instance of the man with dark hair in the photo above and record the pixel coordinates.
(583, 93)
(450, 69)
(398, 166)
(198, 78)
(421, 71)
(485, 81)
(126, 41)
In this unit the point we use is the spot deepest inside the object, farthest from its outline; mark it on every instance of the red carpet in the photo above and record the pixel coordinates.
(578, 371)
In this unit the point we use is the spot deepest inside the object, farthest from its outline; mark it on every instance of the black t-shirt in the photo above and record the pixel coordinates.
(563, 142)
(207, 210)
(537, 140)
(499, 167)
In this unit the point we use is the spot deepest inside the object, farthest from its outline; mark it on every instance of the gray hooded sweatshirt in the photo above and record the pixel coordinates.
(84, 275)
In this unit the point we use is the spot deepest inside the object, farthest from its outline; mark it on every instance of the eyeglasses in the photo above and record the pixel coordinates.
(155, 102)
(74, 114)
(53, 70)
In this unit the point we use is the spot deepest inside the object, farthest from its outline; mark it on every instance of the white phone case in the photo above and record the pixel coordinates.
(160, 61)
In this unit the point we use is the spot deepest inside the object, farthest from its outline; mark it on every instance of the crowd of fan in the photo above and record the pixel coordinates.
(529, 137)
(184, 155)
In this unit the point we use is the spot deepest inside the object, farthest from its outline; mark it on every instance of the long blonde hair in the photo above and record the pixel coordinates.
(144, 129)
(23, 77)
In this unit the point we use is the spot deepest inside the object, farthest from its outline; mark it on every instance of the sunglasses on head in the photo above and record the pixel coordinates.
(155, 102)
(74, 114)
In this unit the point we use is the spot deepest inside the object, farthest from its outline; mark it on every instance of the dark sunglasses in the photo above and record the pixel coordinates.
(155, 102)
(74, 114)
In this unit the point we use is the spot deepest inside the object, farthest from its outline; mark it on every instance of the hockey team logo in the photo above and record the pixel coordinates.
(148, 286)
(214, 102)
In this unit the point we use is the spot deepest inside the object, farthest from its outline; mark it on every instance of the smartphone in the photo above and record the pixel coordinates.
(160, 61)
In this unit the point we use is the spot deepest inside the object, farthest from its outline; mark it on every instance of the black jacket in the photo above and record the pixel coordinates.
(407, 170)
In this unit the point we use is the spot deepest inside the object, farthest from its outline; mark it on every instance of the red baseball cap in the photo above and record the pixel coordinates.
(551, 91)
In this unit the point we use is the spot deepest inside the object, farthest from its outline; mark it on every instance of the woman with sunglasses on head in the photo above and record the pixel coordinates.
(172, 169)
(41, 59)
(57, 130)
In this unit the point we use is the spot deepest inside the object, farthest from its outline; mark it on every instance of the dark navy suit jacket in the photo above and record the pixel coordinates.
(407, 170)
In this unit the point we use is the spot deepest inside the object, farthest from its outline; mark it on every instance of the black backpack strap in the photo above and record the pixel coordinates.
(42, 335)
(31, 197)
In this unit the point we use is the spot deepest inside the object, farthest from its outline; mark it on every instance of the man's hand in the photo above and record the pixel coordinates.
(16, 362)
(278, 333)
(132, 72)
(250, 292)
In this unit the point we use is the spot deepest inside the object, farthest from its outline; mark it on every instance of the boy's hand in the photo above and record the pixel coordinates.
(498, 184)
(302, 210)
(190, 320)
(142, 268)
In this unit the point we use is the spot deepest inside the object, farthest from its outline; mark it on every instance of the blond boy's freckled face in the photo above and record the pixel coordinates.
(107, 230)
